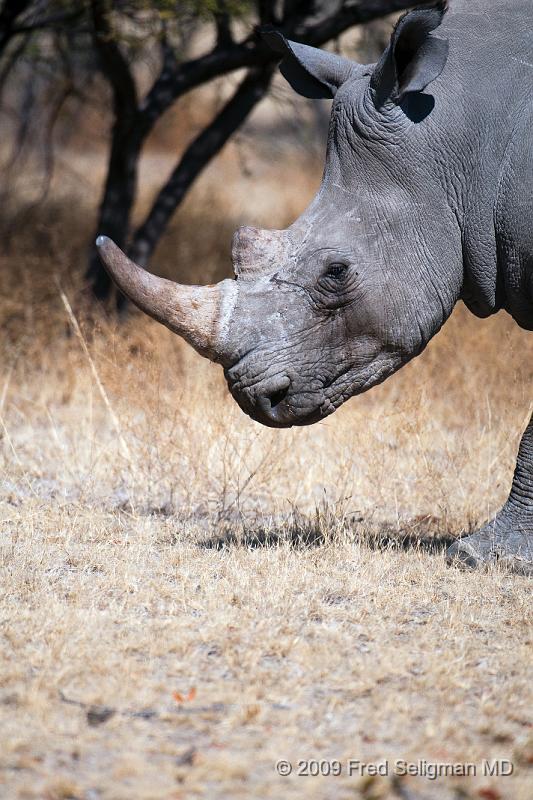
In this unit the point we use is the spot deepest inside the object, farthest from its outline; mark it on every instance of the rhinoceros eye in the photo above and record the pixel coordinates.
(336, 270)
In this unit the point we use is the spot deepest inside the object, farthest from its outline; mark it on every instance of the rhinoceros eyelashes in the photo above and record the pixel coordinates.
(337, 270)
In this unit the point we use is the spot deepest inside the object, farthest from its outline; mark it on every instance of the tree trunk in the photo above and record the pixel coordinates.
(116, 205)
(121, 181)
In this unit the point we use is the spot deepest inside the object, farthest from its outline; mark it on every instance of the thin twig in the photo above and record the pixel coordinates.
(99, 384)
(101, 713)
(16, 456)
(7, 381)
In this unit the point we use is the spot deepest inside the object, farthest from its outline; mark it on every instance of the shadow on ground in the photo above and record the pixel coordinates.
(307, 533)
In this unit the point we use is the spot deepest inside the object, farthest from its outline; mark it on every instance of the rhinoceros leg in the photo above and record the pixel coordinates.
(508, 538)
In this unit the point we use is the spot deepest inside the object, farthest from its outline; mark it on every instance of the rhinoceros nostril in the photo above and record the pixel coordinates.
(277, 392)
(276, 397)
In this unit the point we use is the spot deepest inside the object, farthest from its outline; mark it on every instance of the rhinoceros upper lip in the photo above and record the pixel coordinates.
(281, 414)
(269, 400)
(276, 420)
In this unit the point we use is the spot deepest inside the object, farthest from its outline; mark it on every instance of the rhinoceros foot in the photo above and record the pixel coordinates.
(507, 540)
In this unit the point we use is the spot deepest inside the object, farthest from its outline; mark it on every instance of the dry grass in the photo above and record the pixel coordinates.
(232, 595)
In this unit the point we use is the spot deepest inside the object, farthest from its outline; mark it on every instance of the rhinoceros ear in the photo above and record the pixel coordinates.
(310, 71)
(413, 58)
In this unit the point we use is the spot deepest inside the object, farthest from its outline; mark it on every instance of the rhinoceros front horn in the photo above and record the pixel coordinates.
(197, 313)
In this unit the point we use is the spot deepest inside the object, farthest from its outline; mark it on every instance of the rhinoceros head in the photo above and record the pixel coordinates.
(363, 279)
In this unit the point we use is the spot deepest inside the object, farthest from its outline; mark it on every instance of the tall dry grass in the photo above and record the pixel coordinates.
(438, 439)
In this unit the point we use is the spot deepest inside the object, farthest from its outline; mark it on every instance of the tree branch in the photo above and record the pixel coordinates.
(223, 25)
(114, 66)
(11, 10)
(266, 11)
(350, 13)
(196, 157)
(47, 22)
(252, 52)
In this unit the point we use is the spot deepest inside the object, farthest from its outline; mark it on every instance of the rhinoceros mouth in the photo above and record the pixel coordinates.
(281, 416)
(274, 400)
(279, 409)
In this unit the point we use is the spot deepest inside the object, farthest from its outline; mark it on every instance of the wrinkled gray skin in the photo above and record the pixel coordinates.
(426, 198)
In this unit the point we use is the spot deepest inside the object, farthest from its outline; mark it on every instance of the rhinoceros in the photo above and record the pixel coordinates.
(426, 199)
